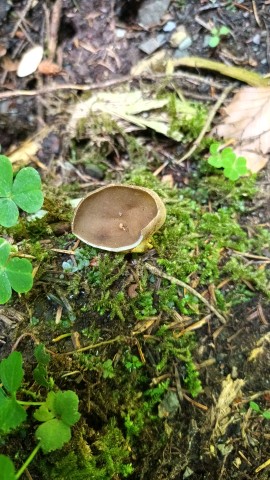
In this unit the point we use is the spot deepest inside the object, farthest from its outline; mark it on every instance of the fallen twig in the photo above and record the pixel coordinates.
(174, 280)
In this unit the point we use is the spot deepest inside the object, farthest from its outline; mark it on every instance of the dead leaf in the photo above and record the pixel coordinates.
(247, 122)
(30, 61)
(154, 63)
(47, 67)
(25, 153)
(9, 65)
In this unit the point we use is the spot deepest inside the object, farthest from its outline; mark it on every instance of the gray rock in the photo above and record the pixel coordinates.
(169, 26)
(152, 11)
(256, 39)
(186, 43)
(150, 45)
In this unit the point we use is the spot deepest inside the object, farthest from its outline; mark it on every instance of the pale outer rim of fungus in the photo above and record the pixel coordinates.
(159, 204)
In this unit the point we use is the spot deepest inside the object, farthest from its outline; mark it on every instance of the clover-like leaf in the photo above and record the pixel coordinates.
(215, 160)
(237, 168)
(6, 177)
(15, 273)
(9, 212)
(25, 192)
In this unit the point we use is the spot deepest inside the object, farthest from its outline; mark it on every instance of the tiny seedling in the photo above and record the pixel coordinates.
(15, 273)
(56, 414)
(216, 34)
(234, 167)
(256, 408)
(24, 192)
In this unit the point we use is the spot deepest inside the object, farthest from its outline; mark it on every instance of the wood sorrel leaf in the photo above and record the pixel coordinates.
(6, 177)
(26, 191)
(9, 212)
(5, 248)
(19, 273)
(5, 288)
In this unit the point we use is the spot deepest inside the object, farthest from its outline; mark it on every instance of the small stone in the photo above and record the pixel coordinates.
(256, 39)
(152, 11)
(187, 42)
(150, 46)
(180, 53)
(178, 36)
(120, 32)
(169, 26)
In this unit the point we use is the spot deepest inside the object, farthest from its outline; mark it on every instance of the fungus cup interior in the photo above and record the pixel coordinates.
(118, 217)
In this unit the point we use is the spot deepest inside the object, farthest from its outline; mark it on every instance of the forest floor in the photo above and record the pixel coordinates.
(172, 379)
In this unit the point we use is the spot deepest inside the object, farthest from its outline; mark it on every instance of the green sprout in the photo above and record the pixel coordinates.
(216, 34)
(24, 192)
(234, 167)
(15, 273)
(256, 408)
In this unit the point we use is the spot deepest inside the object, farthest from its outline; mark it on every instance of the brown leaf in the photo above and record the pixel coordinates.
(247, 121)
(46, 67)
(132, 290)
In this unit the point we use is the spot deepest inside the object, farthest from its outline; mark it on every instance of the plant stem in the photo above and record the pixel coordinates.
(28, 461)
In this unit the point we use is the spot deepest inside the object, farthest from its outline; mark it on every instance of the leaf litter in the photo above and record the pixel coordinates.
(247, 123)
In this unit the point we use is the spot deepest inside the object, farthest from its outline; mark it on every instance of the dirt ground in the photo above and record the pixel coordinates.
(95, 43)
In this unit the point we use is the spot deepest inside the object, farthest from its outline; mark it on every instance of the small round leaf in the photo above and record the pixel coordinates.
(9, 212)
(26, 191)
(19, 273)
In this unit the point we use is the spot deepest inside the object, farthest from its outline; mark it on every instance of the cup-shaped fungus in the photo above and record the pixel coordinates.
(118, 218)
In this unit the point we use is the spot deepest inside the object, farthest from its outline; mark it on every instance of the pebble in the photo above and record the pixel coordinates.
(152, 11)
(169, 26)
(185, 44)
(178, 36)
(256, 39)
(120, 32)
(150, 45)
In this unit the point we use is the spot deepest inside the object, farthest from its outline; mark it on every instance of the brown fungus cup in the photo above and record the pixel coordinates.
(119, 218)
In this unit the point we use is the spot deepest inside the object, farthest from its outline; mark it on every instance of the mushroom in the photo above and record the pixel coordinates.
(118, 218)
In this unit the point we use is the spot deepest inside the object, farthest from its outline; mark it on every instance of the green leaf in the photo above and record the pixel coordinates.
(19, 272)
(254, 407)
(11, 372)
(224, 30)
(214, 147)
(12, 414)
(5, 248)
(266, 414)
(53, 435)
(6, 177)
(228, 156)
(7, 468)
(213, 41)
(26, 190)
(42, 414)
(234, 170)
(9, 212)
(215, 161)
(66, 407)
(5, 288)
(41, 355)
